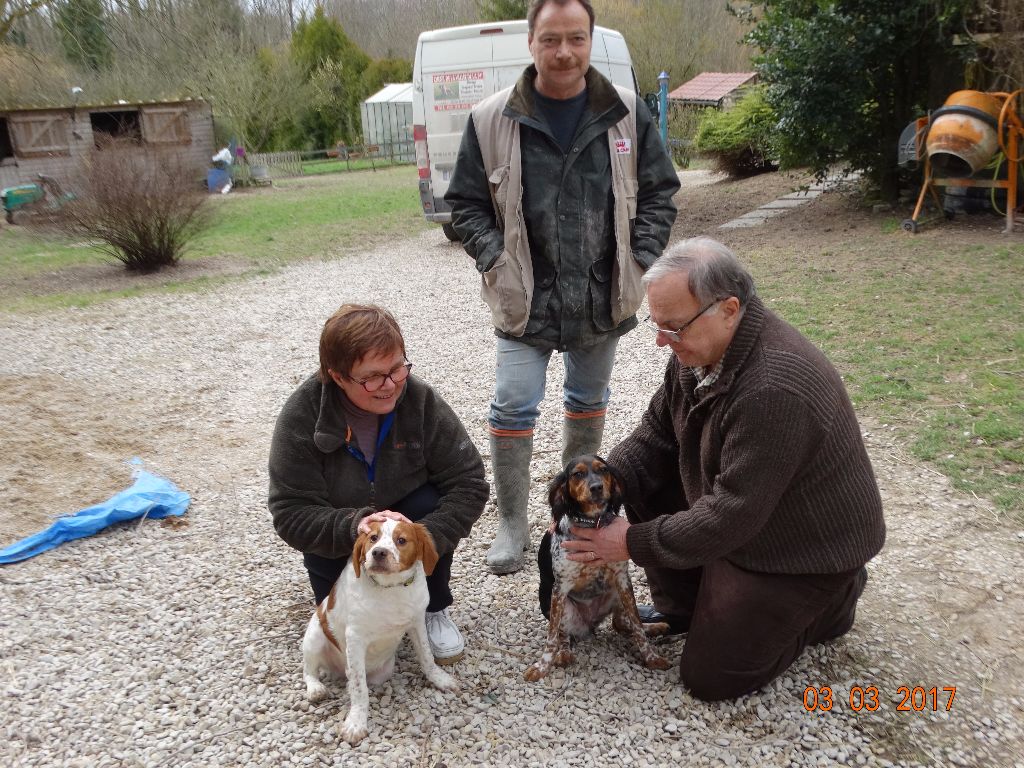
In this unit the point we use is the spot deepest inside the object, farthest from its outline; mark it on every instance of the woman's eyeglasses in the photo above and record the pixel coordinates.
(398, 374)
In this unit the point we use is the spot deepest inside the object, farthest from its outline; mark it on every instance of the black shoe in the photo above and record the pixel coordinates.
(677, 625)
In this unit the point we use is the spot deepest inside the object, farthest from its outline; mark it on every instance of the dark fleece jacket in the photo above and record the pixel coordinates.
(319, 491)
(768, 468)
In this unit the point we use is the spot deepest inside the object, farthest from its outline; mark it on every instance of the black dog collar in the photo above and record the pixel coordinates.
(590, 522)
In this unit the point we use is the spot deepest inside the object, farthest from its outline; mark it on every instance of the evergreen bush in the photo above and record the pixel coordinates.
(741, 140)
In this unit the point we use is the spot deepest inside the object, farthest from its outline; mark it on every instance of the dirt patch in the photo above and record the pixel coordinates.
(109, 276)
(66, 441)
(61, 453)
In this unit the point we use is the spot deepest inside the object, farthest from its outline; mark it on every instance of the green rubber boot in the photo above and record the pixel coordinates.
(581, 436)
(510, 459)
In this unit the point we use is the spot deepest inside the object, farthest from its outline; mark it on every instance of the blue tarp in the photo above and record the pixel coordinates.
(149, 496)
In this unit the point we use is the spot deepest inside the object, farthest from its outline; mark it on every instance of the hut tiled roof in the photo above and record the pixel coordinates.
(710, 87)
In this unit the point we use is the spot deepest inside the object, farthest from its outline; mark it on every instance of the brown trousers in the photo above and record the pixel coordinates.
(746, 628)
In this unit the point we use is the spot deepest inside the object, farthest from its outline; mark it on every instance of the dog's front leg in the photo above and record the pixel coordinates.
(553, 646)
(627, 619)
(353, 730)
(437, 676)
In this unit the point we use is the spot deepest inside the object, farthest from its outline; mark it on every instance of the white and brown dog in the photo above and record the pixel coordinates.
(379, 598)
(576, 597)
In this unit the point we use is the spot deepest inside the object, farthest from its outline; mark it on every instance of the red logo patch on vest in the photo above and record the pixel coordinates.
(623, 146)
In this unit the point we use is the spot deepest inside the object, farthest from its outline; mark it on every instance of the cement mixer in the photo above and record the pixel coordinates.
(960, 139)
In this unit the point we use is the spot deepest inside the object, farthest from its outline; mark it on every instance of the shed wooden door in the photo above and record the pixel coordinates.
(40, 135)
(166, 125)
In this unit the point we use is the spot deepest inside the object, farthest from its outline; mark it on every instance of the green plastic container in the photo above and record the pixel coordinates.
(21, 195)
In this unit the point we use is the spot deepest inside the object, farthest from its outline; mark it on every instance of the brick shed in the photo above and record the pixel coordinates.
(52, 140)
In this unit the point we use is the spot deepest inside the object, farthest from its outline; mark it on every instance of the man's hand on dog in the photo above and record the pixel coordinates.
(380, 517)
(599, 545)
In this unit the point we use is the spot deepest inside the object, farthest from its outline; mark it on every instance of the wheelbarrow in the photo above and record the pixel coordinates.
(23, 202)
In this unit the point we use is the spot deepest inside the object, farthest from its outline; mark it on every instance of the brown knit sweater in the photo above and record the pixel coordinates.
(768, 466)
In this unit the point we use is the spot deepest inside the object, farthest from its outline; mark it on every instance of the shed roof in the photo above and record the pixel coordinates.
(711, 87)
(102, 105)
(400, 92)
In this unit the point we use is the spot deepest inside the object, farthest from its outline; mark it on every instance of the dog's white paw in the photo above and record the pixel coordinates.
(441, 679)
(353, 730)
(316, 691)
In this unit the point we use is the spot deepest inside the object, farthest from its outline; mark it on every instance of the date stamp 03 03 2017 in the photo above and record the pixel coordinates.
(869, 699)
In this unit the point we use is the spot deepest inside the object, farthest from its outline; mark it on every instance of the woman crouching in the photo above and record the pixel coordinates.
(363, 441)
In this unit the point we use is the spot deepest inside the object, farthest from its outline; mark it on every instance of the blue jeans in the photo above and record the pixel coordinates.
(522, 373)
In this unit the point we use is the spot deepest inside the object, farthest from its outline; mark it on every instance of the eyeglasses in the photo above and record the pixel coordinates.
(676, 336)
(398, 374)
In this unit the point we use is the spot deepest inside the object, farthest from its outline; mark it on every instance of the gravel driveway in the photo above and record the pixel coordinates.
(164, 645)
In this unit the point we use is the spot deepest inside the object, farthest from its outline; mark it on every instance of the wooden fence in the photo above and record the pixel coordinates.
(337, 159)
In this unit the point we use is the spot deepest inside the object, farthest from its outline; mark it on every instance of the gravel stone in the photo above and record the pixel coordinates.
(156, 644)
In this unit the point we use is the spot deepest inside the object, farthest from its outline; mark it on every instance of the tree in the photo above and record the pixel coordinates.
(13, 11)
(389, 28)
(846, 76)
(321, 39)
(680, 37)
(333, 65)
(255, 97)
(383, 71)
(83, 32)
(997, 27)
(502, 10)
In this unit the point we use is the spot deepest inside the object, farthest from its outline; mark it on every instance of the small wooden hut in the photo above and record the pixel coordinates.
(53, 140)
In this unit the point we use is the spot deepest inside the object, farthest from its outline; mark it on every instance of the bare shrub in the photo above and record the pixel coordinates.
(683, 121)
(141, 206)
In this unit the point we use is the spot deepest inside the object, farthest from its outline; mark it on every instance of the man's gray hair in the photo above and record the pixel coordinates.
(713, 271)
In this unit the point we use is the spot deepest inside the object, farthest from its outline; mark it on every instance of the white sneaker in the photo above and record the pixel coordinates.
(446, 641)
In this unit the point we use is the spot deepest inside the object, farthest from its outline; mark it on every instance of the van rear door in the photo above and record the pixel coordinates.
(455, 75)
(456, 68)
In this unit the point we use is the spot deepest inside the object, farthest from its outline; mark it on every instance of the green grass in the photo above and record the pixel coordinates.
(318, 216)
(259, 229)
(930, 340)
(333, 165)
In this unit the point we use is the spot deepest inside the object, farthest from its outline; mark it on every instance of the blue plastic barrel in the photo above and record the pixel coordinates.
(217, 179)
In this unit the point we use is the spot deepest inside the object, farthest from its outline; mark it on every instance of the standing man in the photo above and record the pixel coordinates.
(562, 193)
(751, 501)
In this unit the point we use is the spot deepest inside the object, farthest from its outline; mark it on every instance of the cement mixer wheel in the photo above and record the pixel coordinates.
(909, 225)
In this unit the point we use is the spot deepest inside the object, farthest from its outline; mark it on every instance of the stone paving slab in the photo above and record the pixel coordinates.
(785, 202)
(777, 207)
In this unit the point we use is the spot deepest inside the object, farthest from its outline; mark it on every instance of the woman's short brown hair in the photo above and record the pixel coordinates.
(352, 333)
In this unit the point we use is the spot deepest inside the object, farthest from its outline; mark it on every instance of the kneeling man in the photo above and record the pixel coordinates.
(751, 502)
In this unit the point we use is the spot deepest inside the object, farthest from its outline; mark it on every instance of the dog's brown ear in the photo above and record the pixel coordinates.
(359, 552)
(557, 499)
(618, 494)
(428, 552)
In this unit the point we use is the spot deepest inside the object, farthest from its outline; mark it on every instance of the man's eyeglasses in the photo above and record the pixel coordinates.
(676, 336)
(398, 374)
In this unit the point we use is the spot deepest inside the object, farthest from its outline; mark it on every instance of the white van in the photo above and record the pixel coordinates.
(459, 66)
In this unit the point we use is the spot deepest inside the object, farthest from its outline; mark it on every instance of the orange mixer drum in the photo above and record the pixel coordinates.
(962, 134)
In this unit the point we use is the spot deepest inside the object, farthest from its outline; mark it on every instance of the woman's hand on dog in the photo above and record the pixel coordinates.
(380, 517)
(599, 545)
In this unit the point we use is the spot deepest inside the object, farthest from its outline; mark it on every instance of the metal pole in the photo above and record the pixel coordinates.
(663, 106)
